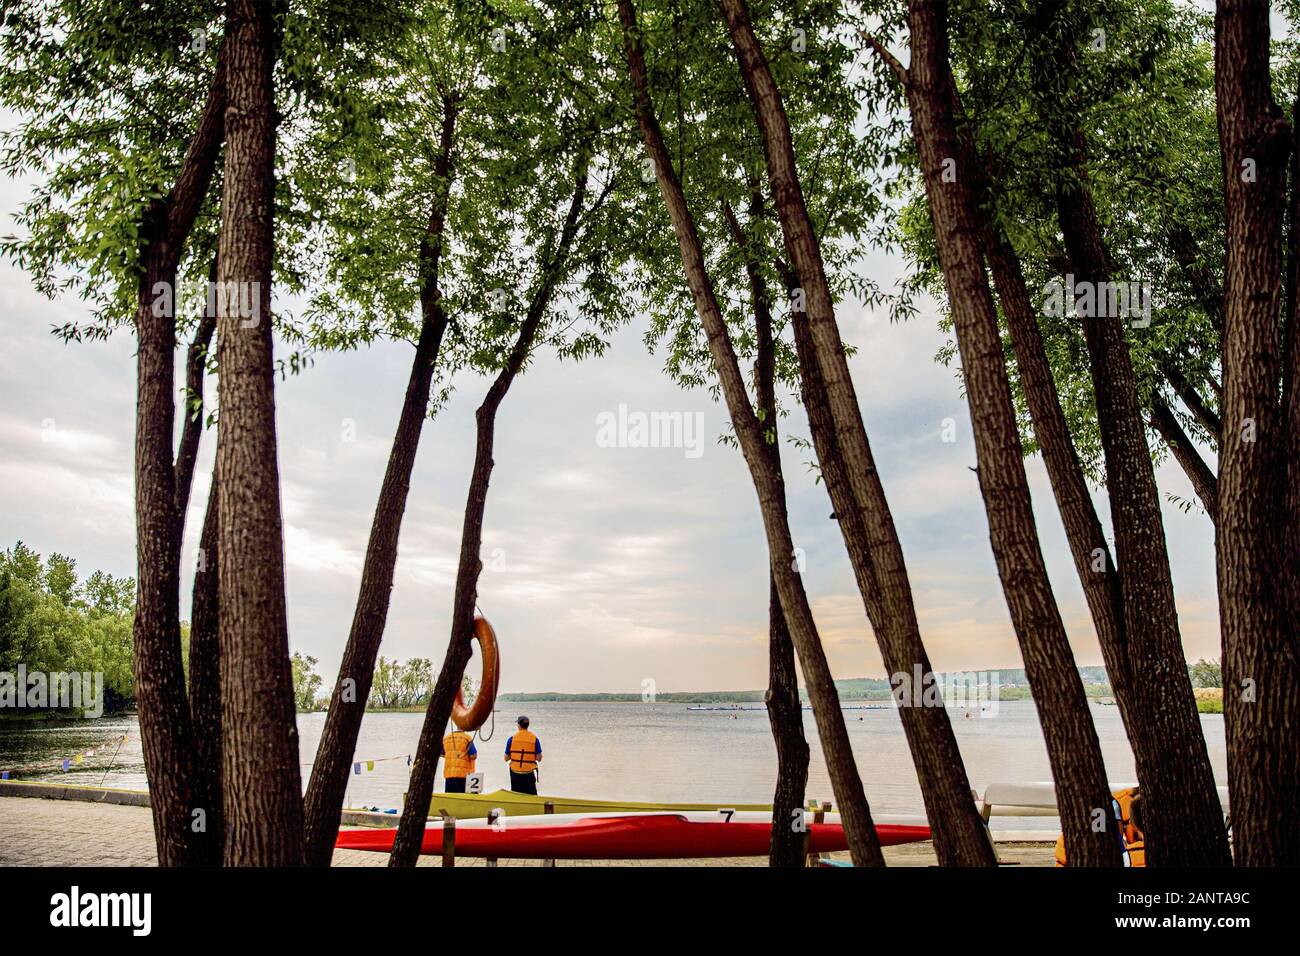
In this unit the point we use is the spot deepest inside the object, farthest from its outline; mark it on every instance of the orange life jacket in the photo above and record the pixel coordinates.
(457, 761)
(1125, 800)
(523, 752)
(1133, 839)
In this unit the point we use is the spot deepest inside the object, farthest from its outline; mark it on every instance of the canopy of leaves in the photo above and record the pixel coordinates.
(710, 128)
(525, 119)
(107, 94)
(1143, 96)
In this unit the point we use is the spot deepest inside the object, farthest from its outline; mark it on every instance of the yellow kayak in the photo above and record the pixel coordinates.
(471, 806)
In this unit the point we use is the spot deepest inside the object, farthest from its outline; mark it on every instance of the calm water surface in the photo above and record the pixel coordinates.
(636, 751)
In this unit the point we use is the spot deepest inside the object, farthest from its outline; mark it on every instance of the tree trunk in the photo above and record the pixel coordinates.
(1087, 540)
(1185, 452)
(262, 791)
(159, 676)
(851, 477)
(864, 845)
(784, 709)
(1181, 810)
(192, 429)
(553, 267)
(1256, 551)
(329, 777)
(1285, 841)
(785, 714)
(204, 686)
(205, 679)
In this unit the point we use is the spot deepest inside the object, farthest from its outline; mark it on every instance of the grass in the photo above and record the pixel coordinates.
(1209, 700)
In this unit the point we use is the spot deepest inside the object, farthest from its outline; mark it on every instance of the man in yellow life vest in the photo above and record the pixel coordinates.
(523, 754)
(458, 754)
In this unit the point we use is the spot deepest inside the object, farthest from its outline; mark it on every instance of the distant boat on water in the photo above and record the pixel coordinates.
(729, 708)
(732, 708)
(858, 707)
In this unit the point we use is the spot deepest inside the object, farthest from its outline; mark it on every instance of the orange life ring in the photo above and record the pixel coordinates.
(472, 718)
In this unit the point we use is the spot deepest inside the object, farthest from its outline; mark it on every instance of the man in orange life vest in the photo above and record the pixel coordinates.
(459, 754)
(523, 753)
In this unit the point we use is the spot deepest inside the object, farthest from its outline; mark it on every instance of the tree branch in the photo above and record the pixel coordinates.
(1203, 480)
(1204, 415)
(891, 61)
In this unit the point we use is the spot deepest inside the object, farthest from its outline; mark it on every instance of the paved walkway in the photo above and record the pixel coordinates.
(35, 832)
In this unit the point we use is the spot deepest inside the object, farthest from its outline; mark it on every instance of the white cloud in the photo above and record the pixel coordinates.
(614, 564)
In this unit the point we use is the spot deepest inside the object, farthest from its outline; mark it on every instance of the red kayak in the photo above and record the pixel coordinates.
(627, 836)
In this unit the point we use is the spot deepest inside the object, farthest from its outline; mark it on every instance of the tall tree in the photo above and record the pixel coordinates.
(1181, 811)
(165, 727)
(366, 134)
(106, 87)
(1143, 84)
(262, 791)
(553, 266)
(1259, 464)
(784, 708)
(543, 231)
(851, 475)
(864, 844)
(325, 791)
(1072, 746)
(718, 164)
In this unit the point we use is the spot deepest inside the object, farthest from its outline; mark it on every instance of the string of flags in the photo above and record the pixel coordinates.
(113, 745)
(368, 766)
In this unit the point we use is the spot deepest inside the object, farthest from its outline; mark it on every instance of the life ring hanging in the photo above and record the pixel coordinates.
(472, 718)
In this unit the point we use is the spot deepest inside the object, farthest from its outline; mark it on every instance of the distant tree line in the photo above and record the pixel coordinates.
(52, 621)
(1012, 684)
(398, 685)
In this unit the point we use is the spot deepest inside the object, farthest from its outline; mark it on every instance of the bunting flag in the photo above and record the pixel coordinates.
(368, 766)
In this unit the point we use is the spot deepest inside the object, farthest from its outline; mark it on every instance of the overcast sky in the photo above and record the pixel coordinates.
(605, 566)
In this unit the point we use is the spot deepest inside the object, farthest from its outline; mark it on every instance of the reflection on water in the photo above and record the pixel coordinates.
(36, 749)
(636, 751)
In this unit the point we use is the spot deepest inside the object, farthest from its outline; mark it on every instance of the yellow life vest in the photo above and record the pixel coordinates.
(456, 756)
(523, 752)
(1134, 842)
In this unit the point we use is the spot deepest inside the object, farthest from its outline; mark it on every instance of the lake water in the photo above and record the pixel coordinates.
(634, 751)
